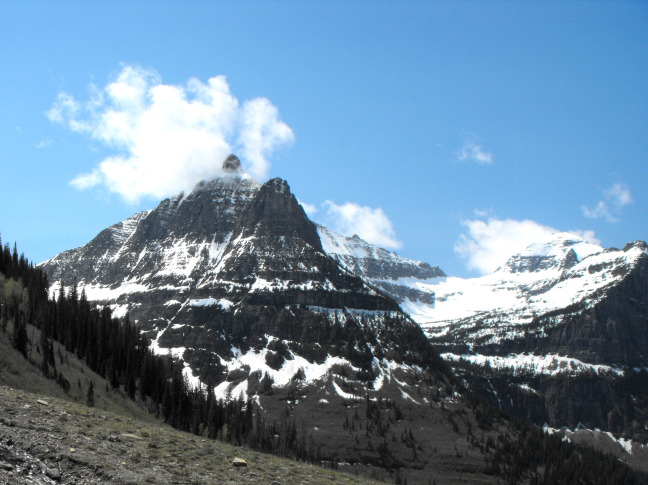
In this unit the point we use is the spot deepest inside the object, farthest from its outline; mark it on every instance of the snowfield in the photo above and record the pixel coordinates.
(550, 276)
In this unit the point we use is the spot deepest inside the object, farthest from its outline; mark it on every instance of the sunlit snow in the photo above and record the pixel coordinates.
(549, 364)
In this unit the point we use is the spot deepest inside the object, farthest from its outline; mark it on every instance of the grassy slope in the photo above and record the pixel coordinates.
(16, 371)
(89, 445)
(158, 454)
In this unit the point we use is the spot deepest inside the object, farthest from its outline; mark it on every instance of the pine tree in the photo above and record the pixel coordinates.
(45, 348)
(20, 339)
(4, 318)
(90, 399)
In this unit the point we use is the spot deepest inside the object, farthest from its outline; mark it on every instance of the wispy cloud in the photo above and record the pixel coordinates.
(473, 152)
(310, 209)
(609, 209)
(166, 138)
(371, 224)
(490, 243)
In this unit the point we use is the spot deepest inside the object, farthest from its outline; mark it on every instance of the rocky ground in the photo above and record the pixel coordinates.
(49, 441)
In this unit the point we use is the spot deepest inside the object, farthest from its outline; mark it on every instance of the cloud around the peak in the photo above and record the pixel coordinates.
(488, 244)
(609, 209)
(166, 138)
(371, 224)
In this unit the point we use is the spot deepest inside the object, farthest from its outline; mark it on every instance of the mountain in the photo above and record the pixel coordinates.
(235, 280)
(452, 439)
(402, 279)
(229, 253)
(263, 305)
(558, 334)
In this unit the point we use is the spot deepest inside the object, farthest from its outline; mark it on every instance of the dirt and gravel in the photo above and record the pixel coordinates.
(45, 441)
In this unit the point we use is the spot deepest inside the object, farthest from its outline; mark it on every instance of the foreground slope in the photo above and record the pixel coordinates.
(47, 440)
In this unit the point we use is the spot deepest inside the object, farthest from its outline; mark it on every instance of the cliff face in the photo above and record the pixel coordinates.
(615, 330)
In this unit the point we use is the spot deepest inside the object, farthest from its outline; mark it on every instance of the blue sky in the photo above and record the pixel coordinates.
(451, 132)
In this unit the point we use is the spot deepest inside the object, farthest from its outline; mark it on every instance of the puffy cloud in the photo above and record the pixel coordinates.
(167, 138)
(587, 235)
(490, 243)
(261, 131)
(609, 209)
(370, 224)
(473, 152)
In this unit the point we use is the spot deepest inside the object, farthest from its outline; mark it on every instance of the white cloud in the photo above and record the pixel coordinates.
(310, 209)
(490, 243)
(473, 152)
(167, 138)
(261, 131)
(586, 234)
(370, 224)
(609, 209)
(619, 195)
(601, 211)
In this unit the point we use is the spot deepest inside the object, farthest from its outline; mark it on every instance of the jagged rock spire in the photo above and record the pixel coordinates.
(232, 164)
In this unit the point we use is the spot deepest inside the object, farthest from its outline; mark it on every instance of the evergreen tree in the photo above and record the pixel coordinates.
(20, 338)
(90, 399)
(4, 316)
(44, 344)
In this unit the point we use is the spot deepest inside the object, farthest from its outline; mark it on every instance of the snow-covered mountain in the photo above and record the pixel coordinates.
(563, 272)
(558, 334)
(260, 303)
(235, 276)
(403, 279)
(192, 243)
(234, 279)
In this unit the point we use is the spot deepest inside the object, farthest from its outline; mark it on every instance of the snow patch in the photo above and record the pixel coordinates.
(628, 446)
(222, 302)
(340, 392)
(522, 364)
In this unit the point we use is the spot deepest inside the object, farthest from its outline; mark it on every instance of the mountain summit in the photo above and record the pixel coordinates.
(235, 257)
(232, 164)
(262, 304)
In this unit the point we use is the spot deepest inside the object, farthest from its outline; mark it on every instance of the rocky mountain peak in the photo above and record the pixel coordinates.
(275, 212)
(278, 185)
(232, 164)
(558, 252)
(640, 245)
